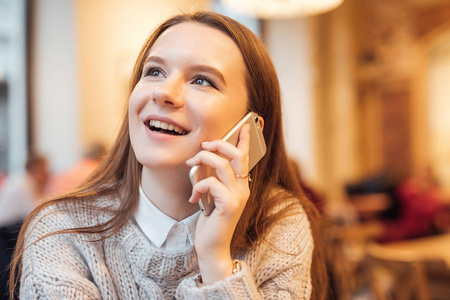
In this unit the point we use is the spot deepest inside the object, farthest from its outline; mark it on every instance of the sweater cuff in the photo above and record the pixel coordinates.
(238, 286)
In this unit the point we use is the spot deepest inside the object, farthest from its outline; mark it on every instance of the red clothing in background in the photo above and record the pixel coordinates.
(419, 202)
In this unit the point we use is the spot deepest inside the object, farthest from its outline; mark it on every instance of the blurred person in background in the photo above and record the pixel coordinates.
(72, 178)
(420, 199)
(418, 203)
(19, 195)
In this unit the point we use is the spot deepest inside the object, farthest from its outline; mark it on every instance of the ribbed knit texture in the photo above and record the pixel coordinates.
(126, 266)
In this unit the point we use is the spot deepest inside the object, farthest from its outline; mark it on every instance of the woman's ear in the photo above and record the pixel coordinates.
(261, 122)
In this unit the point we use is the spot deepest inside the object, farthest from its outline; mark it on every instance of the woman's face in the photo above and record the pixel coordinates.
(192, 89)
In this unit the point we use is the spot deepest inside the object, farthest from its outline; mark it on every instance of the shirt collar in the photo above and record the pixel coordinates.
(156, 225)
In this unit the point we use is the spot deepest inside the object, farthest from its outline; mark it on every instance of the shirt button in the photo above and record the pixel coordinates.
(180, 228)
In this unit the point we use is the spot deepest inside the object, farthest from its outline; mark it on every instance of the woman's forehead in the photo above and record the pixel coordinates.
(199, 42)
(195, 36)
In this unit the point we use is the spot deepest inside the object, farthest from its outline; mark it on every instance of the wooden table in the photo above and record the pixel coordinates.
(414, 254)
(420, 249)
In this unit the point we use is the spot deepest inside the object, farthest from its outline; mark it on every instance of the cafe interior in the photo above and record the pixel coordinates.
(366, 104)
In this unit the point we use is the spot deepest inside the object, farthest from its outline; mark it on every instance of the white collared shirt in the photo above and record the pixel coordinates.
(164, 232)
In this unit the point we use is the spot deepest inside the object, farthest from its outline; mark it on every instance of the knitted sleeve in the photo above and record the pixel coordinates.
(52, 267)
(277, 269)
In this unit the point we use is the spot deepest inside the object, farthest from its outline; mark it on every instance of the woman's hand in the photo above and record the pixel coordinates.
(214, 232)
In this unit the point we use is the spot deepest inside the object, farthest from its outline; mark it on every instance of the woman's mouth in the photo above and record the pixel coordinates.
(165, 128)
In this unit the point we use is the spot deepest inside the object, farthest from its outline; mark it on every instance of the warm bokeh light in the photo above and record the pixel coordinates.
(279, 9)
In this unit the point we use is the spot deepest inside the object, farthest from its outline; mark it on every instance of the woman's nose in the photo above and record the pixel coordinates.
(169, 93)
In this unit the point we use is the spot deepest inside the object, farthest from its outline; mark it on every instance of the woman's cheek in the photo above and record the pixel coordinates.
(139, 98)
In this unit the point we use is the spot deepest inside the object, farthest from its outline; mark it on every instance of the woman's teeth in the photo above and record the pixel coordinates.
(157, 125)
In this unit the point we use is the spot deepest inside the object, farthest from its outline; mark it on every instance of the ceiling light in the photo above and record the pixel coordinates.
(280, 9)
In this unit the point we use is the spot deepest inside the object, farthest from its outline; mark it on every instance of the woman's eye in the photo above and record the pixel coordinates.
(154, 72)
(203, 81)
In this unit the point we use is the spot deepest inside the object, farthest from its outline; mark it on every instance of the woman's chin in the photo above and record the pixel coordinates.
(165, 165)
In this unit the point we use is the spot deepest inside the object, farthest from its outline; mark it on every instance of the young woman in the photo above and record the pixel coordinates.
(134, 230)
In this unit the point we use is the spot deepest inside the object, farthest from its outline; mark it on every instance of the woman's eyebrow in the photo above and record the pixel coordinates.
(209, 69)
(155, 59)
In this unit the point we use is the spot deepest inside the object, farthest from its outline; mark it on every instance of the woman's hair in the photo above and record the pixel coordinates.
(119, 173)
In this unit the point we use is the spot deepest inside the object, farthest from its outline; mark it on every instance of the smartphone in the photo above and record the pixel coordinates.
(257, 151)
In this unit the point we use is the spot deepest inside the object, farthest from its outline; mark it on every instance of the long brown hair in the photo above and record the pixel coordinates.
(120, 171)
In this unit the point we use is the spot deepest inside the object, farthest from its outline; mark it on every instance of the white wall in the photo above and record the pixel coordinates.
(290, 45)
(55, 82)
(13, 73)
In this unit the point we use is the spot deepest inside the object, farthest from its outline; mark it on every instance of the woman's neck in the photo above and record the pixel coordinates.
(169, 191)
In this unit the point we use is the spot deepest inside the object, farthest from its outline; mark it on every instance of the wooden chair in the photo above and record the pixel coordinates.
(396, 277)
(345, 258)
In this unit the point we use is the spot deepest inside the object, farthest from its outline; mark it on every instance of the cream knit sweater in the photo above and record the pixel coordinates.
(126, 266)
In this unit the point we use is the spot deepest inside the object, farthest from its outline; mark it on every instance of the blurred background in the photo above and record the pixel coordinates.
(365, 86)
